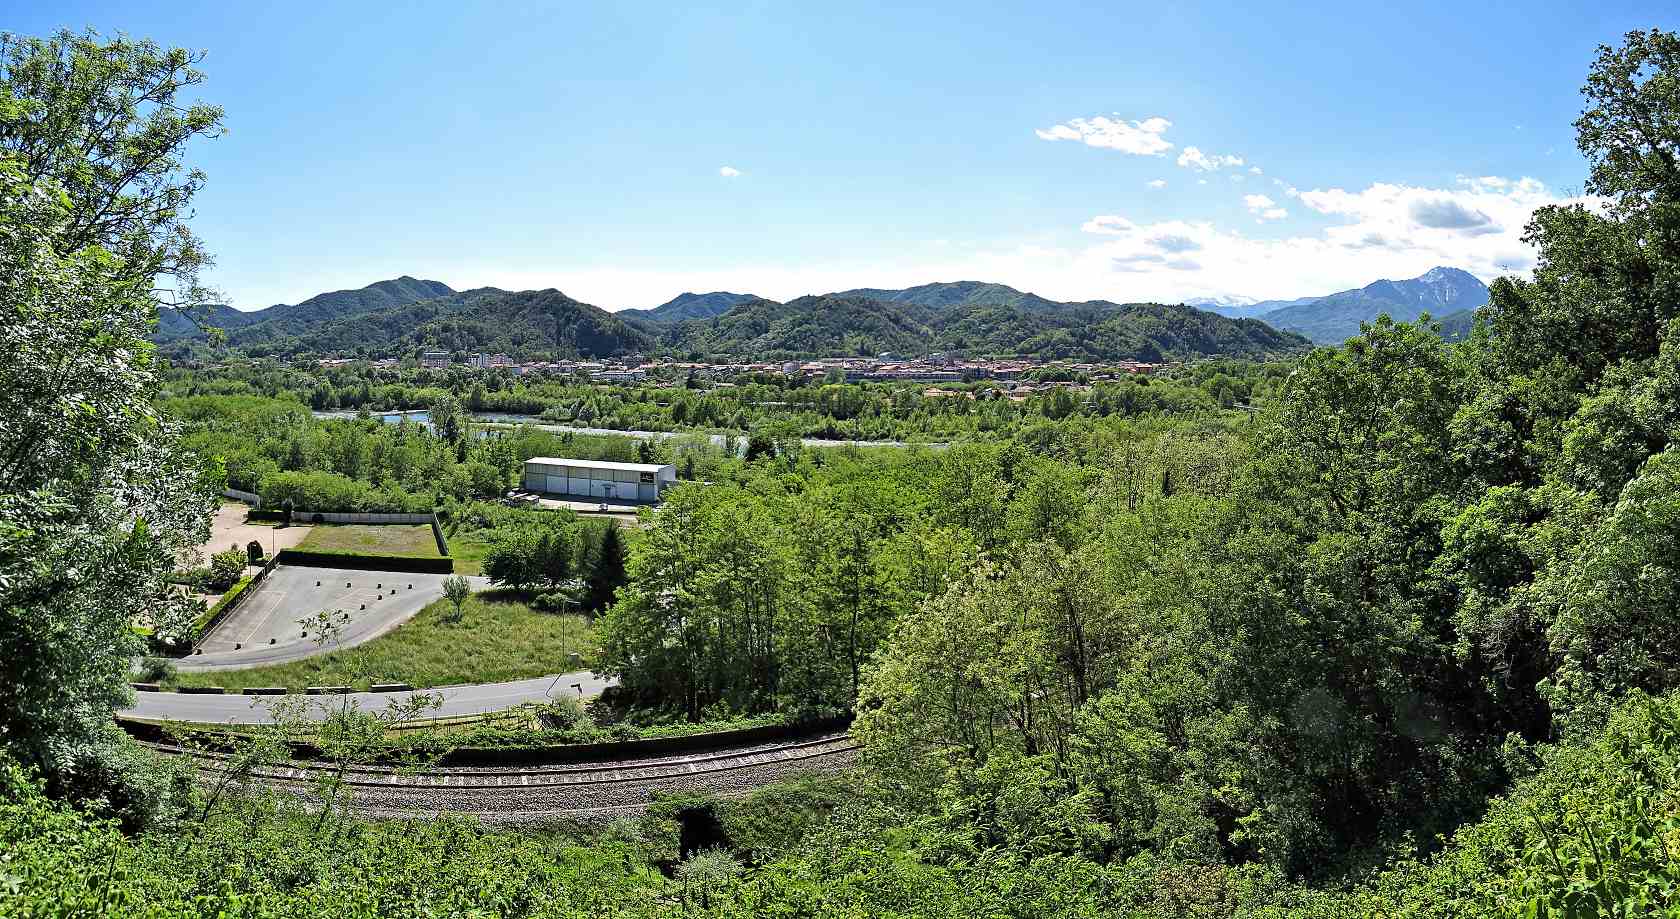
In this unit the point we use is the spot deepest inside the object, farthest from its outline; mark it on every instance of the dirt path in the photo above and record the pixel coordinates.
(229, 529)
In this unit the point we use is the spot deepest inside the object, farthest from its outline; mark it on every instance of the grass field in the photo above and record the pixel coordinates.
(412, 540)
(468, 549)
(498, 639)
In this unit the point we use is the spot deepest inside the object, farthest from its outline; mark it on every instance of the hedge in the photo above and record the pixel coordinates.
(218, 609)
(365, 561)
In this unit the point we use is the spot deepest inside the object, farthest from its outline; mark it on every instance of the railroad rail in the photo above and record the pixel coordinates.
(539, 793)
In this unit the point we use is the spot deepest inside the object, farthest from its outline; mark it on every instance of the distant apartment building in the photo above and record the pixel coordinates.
(434, 358)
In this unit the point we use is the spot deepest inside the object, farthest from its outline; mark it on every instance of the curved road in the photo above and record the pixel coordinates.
(474, 699)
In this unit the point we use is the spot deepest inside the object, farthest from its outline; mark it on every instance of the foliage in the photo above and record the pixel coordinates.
(226, 568)
(102, 122)
(96, 498)
(456, 590)
(213, 613)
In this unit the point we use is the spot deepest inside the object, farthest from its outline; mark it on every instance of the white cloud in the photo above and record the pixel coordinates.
(1255, 170)
(1352, 237)
(1157, 183)
(1381, 231)
(1194, 158)
(1139, 138)
(728, 172)
(1109, 225)
(1264, 208)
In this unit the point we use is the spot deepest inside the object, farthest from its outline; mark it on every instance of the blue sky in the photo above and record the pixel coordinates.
(583, 146)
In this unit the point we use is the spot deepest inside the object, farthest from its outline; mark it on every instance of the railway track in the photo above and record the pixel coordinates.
(540, 793)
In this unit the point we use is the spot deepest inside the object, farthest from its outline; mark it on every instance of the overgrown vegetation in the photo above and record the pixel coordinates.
(1403, 643)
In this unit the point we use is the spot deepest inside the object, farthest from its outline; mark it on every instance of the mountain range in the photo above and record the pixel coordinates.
(405, 315)
(1334, 318)
(973, 318)
(285, 319)
(689, 306)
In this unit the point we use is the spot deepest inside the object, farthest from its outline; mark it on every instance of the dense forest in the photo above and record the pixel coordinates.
(1401, 642)
(770, 404)
(978, 322)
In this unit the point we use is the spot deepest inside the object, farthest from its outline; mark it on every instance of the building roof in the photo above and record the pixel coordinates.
(599, 464)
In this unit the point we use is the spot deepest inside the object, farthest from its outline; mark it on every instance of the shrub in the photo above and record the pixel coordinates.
(226, 569)
(555, 601)
(362, 561)
(155, 670)
(456, 590)
(215, 611)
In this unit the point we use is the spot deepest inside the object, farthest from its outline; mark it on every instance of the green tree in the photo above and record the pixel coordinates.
(514, 558)
(97, 499)
(606, 568)
(554, 557)
(103, 122)
(457, 590)
(447, 420)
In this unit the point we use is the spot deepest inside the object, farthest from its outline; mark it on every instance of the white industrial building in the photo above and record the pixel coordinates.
(598, 479)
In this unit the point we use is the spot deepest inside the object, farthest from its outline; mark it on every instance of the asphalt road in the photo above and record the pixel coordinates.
(474, 699)
(264, 629)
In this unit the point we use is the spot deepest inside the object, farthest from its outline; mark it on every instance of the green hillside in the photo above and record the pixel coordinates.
(289, 319)
(689, 306)
(966, 317)
(533, 323)
(971, 320)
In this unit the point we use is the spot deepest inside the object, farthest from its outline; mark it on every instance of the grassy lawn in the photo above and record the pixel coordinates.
(499, 638)
(414, 540)
(468, 548)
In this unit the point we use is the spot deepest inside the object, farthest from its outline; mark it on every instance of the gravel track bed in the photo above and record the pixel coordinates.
(588, 791)
(514, 806)
(556, 768)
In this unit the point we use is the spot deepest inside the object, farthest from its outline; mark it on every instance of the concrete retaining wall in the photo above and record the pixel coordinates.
(251, 498)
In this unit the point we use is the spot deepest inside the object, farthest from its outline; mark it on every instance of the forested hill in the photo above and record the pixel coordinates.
(528, 323)
(976, 320)
(285, 319)
(967, 317)
(1336, 317)
(689, 306)
(956, 294)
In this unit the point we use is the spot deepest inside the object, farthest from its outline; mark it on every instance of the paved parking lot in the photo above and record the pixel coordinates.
(265, 630)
